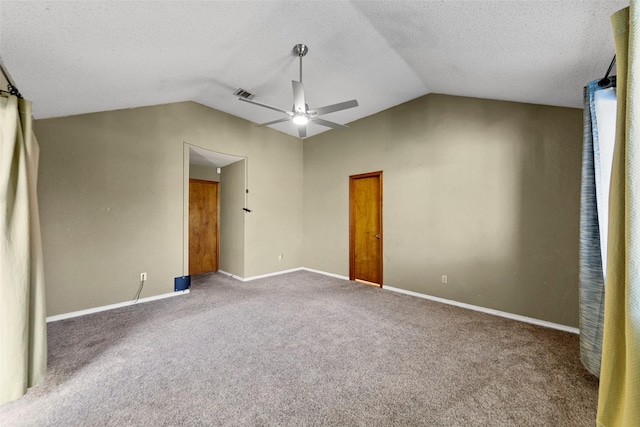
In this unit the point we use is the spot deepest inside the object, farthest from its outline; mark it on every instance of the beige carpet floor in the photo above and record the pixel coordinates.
(305, 349)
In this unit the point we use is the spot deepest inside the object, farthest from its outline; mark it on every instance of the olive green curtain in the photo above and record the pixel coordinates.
(619, 394)
(23, 339)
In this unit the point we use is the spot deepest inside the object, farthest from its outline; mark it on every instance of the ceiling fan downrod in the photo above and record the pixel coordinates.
(301, 50)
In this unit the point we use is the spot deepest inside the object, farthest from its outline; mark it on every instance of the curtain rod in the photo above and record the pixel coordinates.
(12, 89)
(606, 81)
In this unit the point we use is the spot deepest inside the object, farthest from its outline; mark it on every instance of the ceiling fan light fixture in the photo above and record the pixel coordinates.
(300, 114)
(300, 119)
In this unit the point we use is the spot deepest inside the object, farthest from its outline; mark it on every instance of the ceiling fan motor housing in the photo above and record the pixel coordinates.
(301, 49)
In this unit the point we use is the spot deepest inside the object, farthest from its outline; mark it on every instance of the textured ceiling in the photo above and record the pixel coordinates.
(87, 56)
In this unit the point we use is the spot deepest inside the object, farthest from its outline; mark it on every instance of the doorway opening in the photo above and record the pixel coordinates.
(213, 204)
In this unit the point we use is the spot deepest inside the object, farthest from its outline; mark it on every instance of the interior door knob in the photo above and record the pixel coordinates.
(377, 236)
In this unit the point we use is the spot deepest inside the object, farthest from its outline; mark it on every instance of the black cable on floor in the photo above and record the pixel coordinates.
(139, 291)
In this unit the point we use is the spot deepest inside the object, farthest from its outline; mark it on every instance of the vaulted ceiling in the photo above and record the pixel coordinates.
(86, 56)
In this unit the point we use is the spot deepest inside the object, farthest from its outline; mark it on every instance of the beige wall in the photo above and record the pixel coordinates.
(111, 191)
(232, 197)
(207, 173)
(486, 192)
(3, 82)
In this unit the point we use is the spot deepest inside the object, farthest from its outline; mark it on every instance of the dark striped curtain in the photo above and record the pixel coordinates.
(594, 201)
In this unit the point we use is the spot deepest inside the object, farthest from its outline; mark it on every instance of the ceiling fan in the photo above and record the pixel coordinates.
(300, 114)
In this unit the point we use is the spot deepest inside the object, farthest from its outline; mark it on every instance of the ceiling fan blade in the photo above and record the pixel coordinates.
(302, 131)
(289, 113)
(275, 122)
(329, 124)
(334, 107)
(298, 97)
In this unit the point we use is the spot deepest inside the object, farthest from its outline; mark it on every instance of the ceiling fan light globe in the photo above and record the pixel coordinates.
(300, 119)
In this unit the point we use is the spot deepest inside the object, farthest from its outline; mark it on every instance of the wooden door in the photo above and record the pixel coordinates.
(365, 227)
(204, 226)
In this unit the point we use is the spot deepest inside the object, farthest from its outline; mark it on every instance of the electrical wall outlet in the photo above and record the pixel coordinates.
(143, 277)
(280, 257)
(444, 278)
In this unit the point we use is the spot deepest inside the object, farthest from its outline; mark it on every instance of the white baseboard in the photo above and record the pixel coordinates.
(233, 276)
(337, 276)
(487, 310)
(465, 305)
(261, 276)
(112, 306)
(277, 273)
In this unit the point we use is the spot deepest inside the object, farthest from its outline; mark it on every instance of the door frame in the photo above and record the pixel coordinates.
(217, 230)
(186, 166)
(352, 223)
